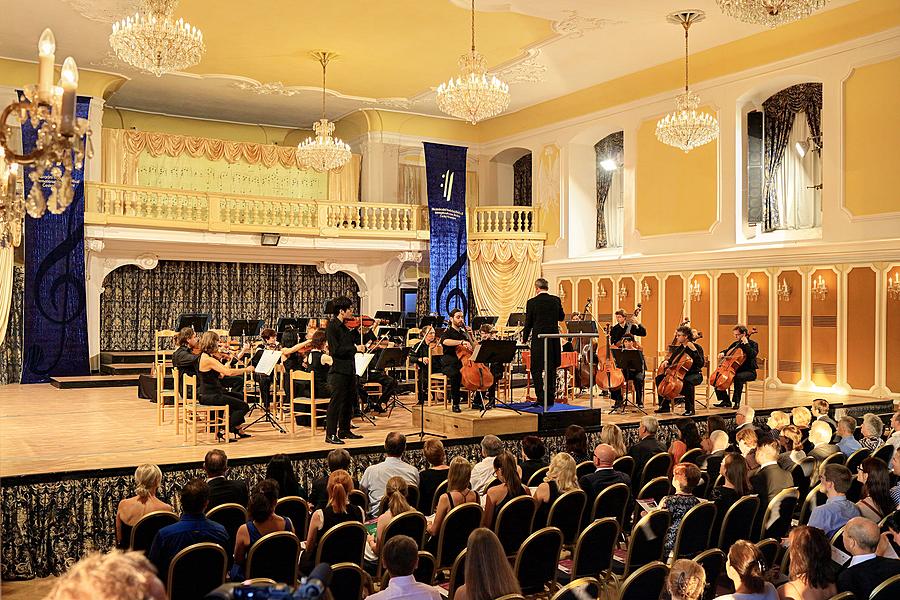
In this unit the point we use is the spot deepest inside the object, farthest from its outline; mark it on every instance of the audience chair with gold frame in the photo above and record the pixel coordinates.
(197, 415)
(573, 590)
(593, 554)
(264, 556)
(146, 528)
(537, 560)
(196, 570)
(162, 361)
(349, 581)
(648, 581)
(457, 573)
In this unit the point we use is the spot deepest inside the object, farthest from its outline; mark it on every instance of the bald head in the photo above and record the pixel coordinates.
(604, 455)
(861, 536)
(745, 414)
(719, 440)
(820, 433)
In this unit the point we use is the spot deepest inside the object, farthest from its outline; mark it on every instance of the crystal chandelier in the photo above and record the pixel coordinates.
(474, 95)
(686, 128)
(323, 153)
(60, 148)
(153, 41)
(770, 13)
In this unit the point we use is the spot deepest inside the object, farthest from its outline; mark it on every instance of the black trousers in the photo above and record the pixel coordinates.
(454, 381)
(237, 408)
(691, 381)
(740, 378)
(340, 408)
(638, 396)
(537, 372)
(423, 384)
(234, 384)
(265, 388)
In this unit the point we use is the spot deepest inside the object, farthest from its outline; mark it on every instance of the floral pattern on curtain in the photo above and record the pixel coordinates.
(137, 302)
(423, 308)
(612, 146)
(780, 111)
(522, 181)
(11, 348)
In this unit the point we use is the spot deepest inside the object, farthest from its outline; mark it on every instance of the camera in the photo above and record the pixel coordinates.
(310, 588)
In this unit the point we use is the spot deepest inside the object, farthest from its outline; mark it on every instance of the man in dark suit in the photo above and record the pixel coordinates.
(769, 479)
(865, 570)
(645, 449)
(336, 459)
(820, 437)
(712, 462)
(602, 478)
(222, 490)
(542, 315)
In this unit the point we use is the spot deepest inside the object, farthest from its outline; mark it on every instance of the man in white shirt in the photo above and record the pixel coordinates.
(483, 472)
(400, 557)
(376, 476)
(894, 439)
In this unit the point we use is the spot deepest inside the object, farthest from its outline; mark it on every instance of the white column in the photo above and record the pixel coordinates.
(93, 168)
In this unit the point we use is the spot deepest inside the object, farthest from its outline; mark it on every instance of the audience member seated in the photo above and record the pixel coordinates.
(395, 503)
(434, 475)
(603, 477)
(688, 439)
(511, 486)
(561, 478)
(577, 444)
(865, 570)
(193, 527)
(745, 568)
(801, 417)
(718, 446)
(769, 479)
(792, 447)
(400, 558)
(744, 419)
(871, 431)
(778, 420)
(376, 476)
(686, 580)
(747, 443)
(820, 438)
(812, 573)
(221, 489)
(895, 471)
(646, 448)
(713, 423)
(819, 411)
(894, 439)
(337, 459)
(685, 477)
(534, 456)
(281, 471)
(147, 478)
(263, 521)
(458, 492)
(115, 575)
(837, 510)
(488, 575)
(483, 472)
(338, 510)
(845, 428)
(737, 485)
(876, 501)
(610, 434)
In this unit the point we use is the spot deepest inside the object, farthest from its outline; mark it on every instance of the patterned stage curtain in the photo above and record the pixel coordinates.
(522, 181)
(609, 147)
(137, 302)
(780, 111)
(11, 346)
(423, 306)
(502, 273)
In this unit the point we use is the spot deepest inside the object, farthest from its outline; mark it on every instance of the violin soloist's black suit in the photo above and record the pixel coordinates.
(744, 373)
(542, 315)
(341, 377)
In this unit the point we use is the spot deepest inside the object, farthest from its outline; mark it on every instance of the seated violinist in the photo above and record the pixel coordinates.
(745, 372)
(637, 377)
(684, 346)
(388, 384)
(420, 355)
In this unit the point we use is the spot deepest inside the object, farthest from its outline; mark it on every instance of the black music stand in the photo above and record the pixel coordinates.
(245, 327)
(394, 333)
(516, 319)
(629, 362)
(436, 321)
(199, 322)
(391, 316)
(495, 351)
(477, 322)
(392, 358)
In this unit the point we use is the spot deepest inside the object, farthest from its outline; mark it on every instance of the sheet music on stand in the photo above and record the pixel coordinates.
(268, 361)
(362, 362)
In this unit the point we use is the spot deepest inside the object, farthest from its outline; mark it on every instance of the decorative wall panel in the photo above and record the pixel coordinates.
(585, 292)
(758, 316)
(700, 313)
(727, 286)
(650, 315)
(892, 338)
(790, 331)
(603, 307)
(675, 309)
(823, 335)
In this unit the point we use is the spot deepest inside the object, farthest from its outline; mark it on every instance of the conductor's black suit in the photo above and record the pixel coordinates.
(542, 315)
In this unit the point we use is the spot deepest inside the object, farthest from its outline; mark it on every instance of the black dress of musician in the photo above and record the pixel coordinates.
(623, 326)
(746, 372)
(451, 366)
(420, 356)
(684, 337)
(389, 385)
(542, 315)
(637, 377)
(211, 372)
(342, 345)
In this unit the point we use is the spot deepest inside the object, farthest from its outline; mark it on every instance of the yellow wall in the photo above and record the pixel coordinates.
(374, 120)
(871, 131)
(19, 73)
(675, 192)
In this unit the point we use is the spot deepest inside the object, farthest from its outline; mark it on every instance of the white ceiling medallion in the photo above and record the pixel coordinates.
(275, 88)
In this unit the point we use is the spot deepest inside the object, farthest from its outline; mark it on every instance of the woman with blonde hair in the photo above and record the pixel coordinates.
(394, 503)
(210, 372)
(488, 574)
(686, 580)
(337, 511)
(147, 478)
(561, 478)
(778, 419)
(801, 417)
(612, 434)
(458, 492)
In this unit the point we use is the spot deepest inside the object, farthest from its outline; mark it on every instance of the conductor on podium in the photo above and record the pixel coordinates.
(542, 315)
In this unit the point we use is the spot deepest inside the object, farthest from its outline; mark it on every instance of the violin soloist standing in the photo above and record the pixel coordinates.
(343, 346)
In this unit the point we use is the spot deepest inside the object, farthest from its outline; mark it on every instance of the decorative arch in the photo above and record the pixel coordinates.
(608, 159)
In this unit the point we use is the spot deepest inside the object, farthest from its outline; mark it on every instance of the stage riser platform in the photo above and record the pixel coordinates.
(93, 381)
(469, 423)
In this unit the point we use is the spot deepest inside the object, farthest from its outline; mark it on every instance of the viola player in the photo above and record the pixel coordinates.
(745, 372)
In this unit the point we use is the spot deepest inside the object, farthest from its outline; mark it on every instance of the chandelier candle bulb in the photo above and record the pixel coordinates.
(46, 57)
(69, 82)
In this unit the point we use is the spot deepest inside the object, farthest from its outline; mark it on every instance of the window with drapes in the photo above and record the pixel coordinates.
(608, 154)
(522, 181)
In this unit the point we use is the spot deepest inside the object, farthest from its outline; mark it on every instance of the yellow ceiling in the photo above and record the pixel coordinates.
(389, 48)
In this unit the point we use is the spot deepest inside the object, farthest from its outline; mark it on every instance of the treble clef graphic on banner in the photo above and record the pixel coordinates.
(452, 277)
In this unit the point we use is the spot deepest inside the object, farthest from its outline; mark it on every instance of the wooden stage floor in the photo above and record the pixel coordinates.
(46, 430)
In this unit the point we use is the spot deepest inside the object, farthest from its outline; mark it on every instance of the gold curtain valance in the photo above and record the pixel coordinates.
(502, 273)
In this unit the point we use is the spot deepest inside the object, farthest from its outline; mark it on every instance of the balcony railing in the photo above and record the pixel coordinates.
(505, 222)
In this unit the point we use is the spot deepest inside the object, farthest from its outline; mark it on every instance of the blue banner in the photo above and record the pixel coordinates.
(445, 170)
(55, 321)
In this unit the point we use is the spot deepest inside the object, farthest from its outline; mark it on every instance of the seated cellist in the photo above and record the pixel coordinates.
(684, 342)
(745, 372)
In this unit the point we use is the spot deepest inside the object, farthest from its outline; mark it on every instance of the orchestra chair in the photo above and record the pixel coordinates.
(457, 574)
(179, 401)
(594, 550)
(197, 415)
(646, 582)
(652, 363)
(568, 362)
(275, 555)
(348, 582)
(373, 390)
(162, 359)
(713, 563)
(196, 570)
(313, 402)
(230, 516)
(296, 509)
(147, 527)
(537, 561)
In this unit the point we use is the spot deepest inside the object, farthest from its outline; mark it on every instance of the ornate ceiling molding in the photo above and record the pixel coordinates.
(104, 11)
(527, 70)
(574, 25)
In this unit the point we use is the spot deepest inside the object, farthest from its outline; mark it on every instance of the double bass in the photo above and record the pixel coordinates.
(675, 367)
(608, 375)
(476, 377)
(722, 378)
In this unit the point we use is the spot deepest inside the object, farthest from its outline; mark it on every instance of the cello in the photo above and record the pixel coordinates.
(608, 375)
(476, 377)
(674, 368)
(722, 378)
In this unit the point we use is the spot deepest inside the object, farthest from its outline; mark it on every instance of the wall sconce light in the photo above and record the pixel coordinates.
(893, 287)
(623, 292)
(752, 290)
(694, 290)
(819, 288)
(602, 293)
(645, 290)
(562, 291)
(784, 290)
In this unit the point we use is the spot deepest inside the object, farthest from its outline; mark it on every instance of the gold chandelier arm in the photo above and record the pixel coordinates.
(473, 26)
(13, 156)
(324, 64)
(687, 25)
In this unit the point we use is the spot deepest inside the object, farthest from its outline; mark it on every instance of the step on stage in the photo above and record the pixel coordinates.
(518, 417)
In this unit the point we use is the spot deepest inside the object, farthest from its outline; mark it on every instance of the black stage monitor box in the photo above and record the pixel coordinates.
(436, 321)
(581, 326)
(477, 322)
(495, 351)
(391, 316)
(198, 321)
(515, 319)
(391, 358)
(245, 327)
